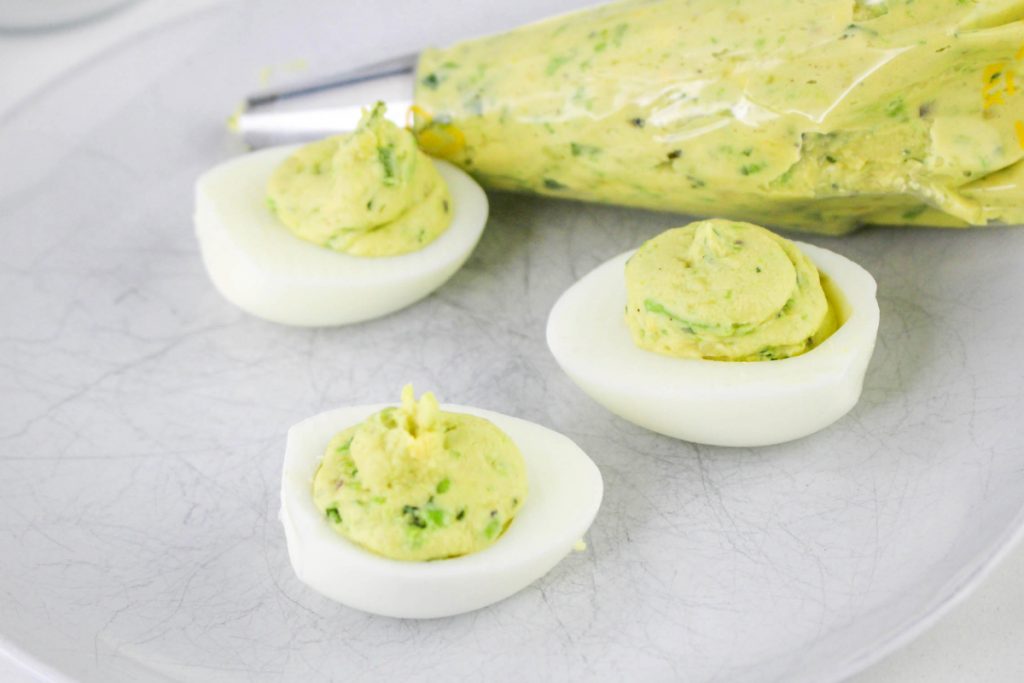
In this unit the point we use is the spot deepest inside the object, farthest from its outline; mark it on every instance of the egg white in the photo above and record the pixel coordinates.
(259, 266)
(714, 402)
(565, 491)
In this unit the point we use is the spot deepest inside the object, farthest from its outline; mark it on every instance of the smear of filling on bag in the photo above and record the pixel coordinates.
(819, 116)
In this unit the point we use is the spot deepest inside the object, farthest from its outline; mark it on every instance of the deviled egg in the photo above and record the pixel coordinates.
(338, 231)
(420, 510)
(720, 333)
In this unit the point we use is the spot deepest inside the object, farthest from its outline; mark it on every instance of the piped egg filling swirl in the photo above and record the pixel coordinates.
(725, 290)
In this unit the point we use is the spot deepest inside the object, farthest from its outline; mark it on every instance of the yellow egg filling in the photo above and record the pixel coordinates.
(370, 192)
(417, 483)
(725, 290)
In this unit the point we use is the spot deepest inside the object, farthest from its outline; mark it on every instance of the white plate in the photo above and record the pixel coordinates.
(144, 418)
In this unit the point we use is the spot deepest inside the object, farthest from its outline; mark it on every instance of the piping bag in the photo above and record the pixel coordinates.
(820, 115)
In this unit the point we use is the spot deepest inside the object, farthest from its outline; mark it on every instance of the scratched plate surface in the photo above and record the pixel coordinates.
(143, 418)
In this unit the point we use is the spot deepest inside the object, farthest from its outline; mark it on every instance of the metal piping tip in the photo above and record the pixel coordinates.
(267, 128)
(326, 106)
(396, 66)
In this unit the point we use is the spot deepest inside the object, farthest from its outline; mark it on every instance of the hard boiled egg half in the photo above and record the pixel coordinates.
(265, 270)
(725, 403)
(565, 491)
